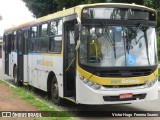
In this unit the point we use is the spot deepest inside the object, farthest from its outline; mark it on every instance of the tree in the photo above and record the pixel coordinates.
(44, 7)
(156, 5)
(41, 7)
(140, 2)
(71, 3)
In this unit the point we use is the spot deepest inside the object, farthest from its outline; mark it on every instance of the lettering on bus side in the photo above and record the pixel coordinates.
(116, 82)
(45, 63)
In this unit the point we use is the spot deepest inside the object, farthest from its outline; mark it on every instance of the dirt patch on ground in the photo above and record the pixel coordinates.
(11, 102)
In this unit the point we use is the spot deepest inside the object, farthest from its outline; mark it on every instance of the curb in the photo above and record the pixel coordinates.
(8, 83)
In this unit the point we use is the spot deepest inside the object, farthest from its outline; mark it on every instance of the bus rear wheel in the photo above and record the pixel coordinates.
(55, 93)
(16, 81)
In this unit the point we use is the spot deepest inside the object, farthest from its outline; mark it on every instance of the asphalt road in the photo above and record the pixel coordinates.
(142, 106)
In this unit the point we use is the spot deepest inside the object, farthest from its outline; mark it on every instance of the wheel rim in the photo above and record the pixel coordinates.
(55, 90)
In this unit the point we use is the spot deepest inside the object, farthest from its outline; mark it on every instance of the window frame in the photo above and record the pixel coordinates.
(54, 36)
(41, 37)
(35, 39)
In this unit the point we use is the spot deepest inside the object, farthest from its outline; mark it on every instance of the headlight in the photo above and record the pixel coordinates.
(91, 84)
(96, 86)
(85, 80)
(151, 83)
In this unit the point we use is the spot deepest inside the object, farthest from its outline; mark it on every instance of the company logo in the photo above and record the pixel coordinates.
(6, 114)
(45, 63)
(125, 81)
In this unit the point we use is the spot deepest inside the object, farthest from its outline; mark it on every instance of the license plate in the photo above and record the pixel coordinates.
(126, 96)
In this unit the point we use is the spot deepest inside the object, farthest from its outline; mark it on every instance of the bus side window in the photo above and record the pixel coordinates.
(55, 40)
(14, 41)
(8, 43)
(55, 44)
(33, 42)
(43, 40)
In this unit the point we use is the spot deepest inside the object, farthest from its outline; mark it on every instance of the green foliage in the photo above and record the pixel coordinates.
(29, 96)
(41, 7)
(155, 4)
(140, 2)
(71, 3)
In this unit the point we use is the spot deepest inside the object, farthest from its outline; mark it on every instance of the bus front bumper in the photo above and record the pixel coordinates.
(87, 95)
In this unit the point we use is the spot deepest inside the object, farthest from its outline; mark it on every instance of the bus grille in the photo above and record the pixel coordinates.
(124, 73)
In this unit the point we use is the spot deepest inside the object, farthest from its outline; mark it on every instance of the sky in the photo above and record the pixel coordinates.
(13, 12)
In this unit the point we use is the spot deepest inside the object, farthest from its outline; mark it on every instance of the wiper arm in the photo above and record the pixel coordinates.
(133, 35)
(108, 35)
(112, 43)
(146, 42)
(114, 47)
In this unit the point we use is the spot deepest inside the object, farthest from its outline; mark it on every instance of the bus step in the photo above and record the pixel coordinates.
(72, 99)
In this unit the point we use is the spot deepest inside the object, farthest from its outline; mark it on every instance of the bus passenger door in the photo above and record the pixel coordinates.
(20, 48)
(69, 59)
(7, 52)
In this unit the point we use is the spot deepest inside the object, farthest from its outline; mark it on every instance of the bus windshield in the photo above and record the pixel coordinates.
(104, 45)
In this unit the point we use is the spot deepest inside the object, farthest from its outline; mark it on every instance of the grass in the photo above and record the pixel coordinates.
(42, 105)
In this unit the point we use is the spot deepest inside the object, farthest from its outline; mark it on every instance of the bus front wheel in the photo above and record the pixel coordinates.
(55, 93)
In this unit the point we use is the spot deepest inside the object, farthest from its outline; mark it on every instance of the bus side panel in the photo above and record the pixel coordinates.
(39, 67)
(25, 70)
(51, 63)
(32, 59)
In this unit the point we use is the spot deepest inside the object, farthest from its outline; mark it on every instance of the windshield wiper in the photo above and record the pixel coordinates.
(146, 42)
(133, 34)
(112, 43)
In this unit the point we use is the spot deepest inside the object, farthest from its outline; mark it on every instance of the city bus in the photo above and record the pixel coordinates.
(103, 53)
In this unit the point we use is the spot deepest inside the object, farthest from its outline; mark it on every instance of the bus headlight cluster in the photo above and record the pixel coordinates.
(151, 83)
(91, 84)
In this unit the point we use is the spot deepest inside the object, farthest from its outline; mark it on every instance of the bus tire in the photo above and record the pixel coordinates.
(16, 81)
(55, 93)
